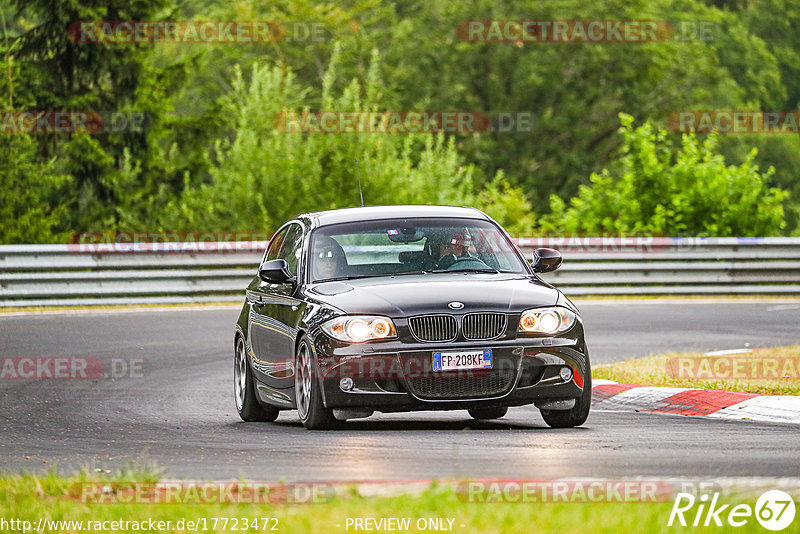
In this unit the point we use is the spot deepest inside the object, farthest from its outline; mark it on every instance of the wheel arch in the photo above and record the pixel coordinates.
(238, 333)
(300, 333)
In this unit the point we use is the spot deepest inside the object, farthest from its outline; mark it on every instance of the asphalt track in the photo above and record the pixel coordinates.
(178, 412)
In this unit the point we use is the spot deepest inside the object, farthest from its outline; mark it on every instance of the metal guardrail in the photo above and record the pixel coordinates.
(130, 273)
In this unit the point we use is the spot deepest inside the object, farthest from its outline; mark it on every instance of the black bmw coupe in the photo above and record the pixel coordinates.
(401, 308)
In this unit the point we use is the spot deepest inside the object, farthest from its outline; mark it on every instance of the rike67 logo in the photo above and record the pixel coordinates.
(774, 510)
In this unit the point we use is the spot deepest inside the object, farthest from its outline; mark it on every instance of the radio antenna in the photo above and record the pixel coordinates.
(358, 175)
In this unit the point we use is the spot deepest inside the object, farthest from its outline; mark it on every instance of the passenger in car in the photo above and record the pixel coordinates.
(329, 260)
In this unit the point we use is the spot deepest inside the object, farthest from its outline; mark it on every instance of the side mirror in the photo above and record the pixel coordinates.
(275, 272)
(546, 260)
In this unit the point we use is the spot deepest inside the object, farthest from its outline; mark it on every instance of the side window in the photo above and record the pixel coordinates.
(276, 245)
(292, 247)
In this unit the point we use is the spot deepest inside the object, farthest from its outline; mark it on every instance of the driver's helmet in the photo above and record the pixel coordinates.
(328, 259)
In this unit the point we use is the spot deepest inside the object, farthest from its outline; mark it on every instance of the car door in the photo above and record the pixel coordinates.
(275, 314)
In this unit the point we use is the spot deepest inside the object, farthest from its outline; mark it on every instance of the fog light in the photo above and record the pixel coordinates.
(565, 373)
(346, 384)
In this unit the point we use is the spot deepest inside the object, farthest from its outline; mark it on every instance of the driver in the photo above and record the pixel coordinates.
(456, 248)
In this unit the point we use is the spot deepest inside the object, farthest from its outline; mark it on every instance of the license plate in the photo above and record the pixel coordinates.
(470, 359)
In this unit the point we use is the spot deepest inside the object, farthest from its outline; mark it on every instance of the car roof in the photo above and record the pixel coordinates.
(370, 213)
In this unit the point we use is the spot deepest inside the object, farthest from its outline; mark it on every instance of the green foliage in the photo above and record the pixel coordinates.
(64, 72)
(212, 159)
(776, 22)
(266, 175)
(508, 206)
(29, 203)
(692, 192)
(575, 90)
(58, 73)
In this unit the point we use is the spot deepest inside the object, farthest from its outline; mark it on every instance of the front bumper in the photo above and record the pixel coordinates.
(398, 376)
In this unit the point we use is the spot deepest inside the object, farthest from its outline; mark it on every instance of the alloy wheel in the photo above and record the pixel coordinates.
(240, 374)
(302, 380)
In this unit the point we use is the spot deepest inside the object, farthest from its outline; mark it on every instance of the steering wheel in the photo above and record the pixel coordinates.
(446, 261)
(460, 263)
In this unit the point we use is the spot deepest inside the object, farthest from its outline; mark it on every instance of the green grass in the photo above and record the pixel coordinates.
(29, 497)
(652, 371)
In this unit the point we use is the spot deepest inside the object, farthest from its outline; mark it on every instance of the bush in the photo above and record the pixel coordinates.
(690, 193)
(264, 175)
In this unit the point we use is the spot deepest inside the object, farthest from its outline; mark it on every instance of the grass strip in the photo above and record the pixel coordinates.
(665, 370)
(30, 498)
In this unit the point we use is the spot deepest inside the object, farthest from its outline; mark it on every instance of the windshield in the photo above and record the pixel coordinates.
(414, 245)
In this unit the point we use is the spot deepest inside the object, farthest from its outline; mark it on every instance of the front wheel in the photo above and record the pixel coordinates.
(248, 406)
(575, 416)
(308, 390)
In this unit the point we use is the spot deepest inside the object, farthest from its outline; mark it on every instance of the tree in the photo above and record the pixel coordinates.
(692, 192)
(266, 175)
(574, 89)
(29, 204)
(59, 72)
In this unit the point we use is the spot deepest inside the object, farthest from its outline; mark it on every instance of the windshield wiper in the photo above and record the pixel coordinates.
(351, 277)
(356, 277)
(466, 270)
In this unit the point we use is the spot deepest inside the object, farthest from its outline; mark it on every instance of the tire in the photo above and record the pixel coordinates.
(494, 412)
(244, 391)
(308, 390)
(575, 416)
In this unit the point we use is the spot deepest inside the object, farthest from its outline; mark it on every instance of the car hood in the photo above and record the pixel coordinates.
(407, 295)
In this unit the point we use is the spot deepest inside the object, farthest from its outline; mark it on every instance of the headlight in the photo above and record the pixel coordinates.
(358, 328)
(546, 320)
